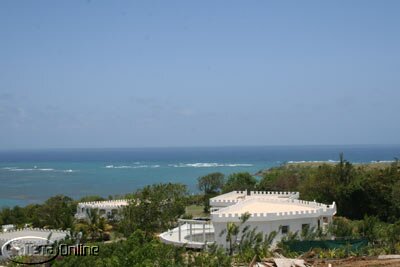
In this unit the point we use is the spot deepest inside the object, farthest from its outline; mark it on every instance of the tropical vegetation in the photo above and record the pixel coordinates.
(367, 197)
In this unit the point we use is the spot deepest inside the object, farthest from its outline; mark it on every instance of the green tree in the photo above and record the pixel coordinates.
(15, 215)
(213, 256)
(95, 226)
(91, 198)
(239, 181)
(232, 231)
(343, 228)
(32, 213)
(154, 208)
(393, 237)
(370, 228)
(138, 250)
(57, 212)
(396, 199)
(254, 246)
(210, 184)
(280, 179)
(345, 170)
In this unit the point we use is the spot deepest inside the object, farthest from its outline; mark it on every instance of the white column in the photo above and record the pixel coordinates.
(190, 231)
(204, 232)
(179, 230)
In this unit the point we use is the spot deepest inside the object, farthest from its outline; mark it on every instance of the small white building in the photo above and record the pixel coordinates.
(106, 209)
(282, 212)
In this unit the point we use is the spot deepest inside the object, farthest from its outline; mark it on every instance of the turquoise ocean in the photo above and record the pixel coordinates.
(32, 176)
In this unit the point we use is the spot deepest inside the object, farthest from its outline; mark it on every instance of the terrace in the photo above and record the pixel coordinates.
(190, 233)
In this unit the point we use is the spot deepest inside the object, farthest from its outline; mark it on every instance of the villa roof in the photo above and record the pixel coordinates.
(264, 206)
(268, 209)
(237, 196)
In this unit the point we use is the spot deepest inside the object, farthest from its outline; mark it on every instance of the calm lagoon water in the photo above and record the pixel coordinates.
(32, 176)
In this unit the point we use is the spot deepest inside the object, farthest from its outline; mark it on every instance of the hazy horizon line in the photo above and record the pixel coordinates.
(190, 147)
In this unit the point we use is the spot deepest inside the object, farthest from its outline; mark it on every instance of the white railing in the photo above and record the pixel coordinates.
(320, 209)
(229, 198)
(104, 204)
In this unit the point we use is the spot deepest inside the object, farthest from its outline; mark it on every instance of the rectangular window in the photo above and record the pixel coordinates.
(285, 229)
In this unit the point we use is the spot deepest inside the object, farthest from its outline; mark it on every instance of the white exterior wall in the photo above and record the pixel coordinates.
(105, 208)
(105, 212)
(266, 227)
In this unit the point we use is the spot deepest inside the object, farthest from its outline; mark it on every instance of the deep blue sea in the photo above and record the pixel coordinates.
(32, 176)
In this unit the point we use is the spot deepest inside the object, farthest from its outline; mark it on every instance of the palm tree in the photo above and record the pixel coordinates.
(232, 231)
(231, 236)
(96, 225)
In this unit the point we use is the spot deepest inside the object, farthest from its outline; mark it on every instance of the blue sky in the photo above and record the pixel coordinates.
(198, 73)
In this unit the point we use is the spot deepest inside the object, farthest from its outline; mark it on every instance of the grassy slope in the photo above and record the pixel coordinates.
(196, 211)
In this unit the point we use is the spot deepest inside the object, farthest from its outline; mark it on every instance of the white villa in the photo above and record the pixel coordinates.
(282, 212)
(107, 209)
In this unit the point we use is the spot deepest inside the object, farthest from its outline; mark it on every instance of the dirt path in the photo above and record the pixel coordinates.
(358, 263)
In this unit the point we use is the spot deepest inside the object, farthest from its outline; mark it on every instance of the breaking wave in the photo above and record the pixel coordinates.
(35, 168)
(312, 161)
(131, 167)
(382, 161)
(180, 165)
(208, 165)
